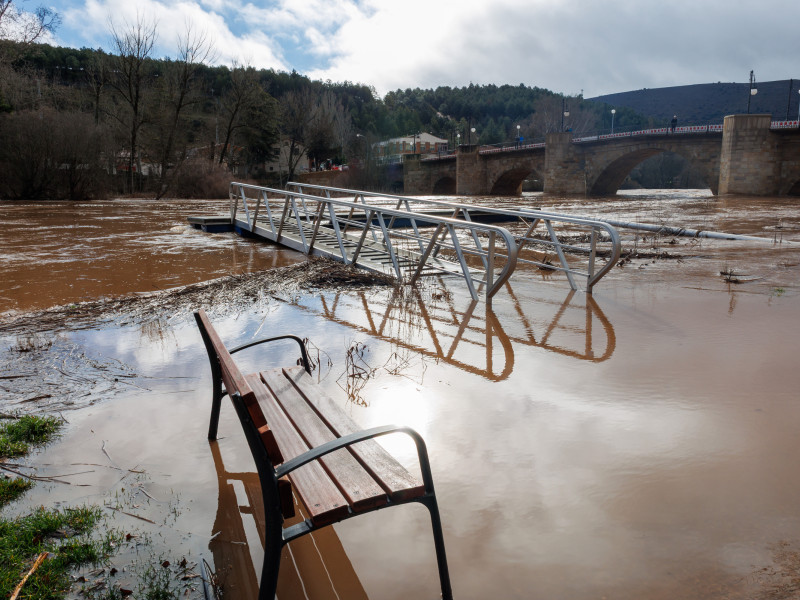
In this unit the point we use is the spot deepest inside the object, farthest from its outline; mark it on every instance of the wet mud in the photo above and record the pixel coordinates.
(637, 443)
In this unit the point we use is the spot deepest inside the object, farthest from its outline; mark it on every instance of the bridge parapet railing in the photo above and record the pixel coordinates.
(609, 135)
(511, 147)
(408, 245)
(785, 124)
(445, 155)
(579, 247)
(686, 129)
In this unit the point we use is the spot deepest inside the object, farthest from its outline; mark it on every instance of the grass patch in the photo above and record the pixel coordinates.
(64, 535)
(17, 436)
(13, 488)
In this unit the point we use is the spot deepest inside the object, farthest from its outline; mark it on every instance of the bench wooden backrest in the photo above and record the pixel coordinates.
(236, 383)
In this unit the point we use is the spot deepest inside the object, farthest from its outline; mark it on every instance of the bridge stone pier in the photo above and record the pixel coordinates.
(747, 157)
(757, 161)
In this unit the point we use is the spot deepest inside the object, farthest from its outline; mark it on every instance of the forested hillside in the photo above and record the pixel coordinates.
(87, 123)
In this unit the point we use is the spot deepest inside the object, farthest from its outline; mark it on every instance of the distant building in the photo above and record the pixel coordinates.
(280, 164)
(422, 143)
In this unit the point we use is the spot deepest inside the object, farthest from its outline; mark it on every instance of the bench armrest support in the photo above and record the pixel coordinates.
(303, 354)
(360, 436)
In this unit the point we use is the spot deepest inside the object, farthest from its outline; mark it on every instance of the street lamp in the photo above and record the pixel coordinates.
(753, 90)
(517, 136)
(613, 112)
(458, 139)
(471, 131)
(564, 111)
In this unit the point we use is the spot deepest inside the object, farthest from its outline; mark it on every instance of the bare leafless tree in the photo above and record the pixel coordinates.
(177, 94)
(134, 45)
(45, 155)
(244, 104)
(26, 26)
(341, 123)
(298, 111)
(97, 75)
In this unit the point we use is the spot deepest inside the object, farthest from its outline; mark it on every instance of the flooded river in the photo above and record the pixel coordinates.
(65, 252)
(638, 443)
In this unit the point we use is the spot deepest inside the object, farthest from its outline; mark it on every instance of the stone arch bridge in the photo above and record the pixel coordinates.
(746, 155)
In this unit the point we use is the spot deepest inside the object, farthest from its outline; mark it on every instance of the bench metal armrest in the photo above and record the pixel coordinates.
(360, 436)
(300, 343)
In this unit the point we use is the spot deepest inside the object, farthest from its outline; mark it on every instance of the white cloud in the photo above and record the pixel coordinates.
(253, 46)
(563, 45)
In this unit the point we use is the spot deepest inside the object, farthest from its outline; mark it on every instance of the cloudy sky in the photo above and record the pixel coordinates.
(568, 46)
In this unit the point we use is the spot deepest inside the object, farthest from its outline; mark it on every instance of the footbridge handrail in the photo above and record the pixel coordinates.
(374, 236)
(558, 236)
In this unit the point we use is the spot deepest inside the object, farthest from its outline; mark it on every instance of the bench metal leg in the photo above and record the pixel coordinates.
(438, 542)
(216, 404)
(272, 564)
(433, 508)
(216, 379)
(273, 517)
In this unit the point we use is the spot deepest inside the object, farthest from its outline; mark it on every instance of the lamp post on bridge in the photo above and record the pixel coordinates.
(518, 136)
(613, 112)
(564, 111)
(753, 90)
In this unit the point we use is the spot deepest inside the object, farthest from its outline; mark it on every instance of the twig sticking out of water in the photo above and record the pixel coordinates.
(357, 372)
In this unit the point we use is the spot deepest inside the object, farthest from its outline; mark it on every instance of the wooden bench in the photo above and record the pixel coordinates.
(290, 422)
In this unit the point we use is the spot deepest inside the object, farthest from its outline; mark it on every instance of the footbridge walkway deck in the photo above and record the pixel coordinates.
(410, 238)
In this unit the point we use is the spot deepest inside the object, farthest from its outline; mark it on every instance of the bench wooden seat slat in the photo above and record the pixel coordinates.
(390, 474)
(355, 483)
(321, 497)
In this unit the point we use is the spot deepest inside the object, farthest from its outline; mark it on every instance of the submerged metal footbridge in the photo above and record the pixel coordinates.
(410, 238)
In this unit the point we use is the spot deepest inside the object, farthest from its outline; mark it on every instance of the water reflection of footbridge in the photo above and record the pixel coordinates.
(472, 337)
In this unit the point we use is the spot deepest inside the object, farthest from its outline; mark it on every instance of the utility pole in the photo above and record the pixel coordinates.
(753, 90)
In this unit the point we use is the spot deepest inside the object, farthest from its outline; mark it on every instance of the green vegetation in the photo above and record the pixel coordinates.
(43, 548)
(13, 488)
(16, 438)
(63, 535)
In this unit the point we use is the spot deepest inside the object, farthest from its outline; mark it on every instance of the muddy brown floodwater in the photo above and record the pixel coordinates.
(638, 443)
(63, 252)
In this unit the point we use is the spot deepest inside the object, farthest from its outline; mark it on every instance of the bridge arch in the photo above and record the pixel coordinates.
(509, 183)
(445, 186)
(612, 175)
